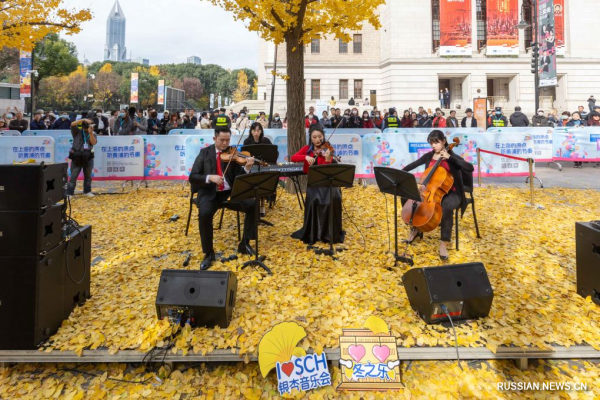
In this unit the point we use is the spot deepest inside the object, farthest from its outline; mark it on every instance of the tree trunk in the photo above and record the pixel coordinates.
(296, 132)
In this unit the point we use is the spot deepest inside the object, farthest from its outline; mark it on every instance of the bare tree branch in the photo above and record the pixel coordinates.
(19, 25)
(262, 22)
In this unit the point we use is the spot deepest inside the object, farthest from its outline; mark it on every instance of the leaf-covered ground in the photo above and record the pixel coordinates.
(529, 255)
(431, 379)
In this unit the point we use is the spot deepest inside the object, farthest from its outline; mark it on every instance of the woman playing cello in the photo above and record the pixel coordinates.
(455, 197)
(316, 208)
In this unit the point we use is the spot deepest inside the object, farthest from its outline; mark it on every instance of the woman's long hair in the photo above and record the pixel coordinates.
(262, 131)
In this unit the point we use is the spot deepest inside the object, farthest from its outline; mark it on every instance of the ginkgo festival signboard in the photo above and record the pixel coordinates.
(296, 371)
(369, 358)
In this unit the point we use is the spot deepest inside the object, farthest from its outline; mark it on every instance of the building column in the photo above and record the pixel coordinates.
(521, 31)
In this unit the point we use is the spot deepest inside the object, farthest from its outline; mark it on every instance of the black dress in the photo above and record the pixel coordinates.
(316, 211)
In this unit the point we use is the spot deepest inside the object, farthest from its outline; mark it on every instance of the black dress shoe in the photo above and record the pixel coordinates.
(207, 262)
(244, 248)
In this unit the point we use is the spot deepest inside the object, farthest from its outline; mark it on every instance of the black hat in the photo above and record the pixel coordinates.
(222, 109)
(468, 110)
(498, 109)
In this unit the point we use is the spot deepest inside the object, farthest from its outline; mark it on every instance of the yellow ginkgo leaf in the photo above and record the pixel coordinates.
(376, 325)
(299, 352)
(278, 345)
(348, 372)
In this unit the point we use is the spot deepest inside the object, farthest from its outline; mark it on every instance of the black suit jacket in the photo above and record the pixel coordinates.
(206, 164)
(103, 131)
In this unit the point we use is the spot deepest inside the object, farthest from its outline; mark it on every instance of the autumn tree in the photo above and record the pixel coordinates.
(241, 93)
(26, 22)
(106, 86)
(296, 23)
(193, 88)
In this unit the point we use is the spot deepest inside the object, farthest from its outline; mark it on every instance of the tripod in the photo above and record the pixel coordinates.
(255, 186)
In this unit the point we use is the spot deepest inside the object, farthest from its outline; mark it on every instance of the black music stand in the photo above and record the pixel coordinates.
(254, 186)
(330, 176)
(398, 183)
(263, 152)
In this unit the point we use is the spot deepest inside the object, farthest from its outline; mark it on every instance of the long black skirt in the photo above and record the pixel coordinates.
(316, 217)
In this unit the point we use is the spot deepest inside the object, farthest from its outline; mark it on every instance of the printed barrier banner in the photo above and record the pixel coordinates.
(576, 144)
(455, 28)
(502, 32)
(53, 133)
(10, 133)
(119, 158)
(397, 151)
(447, 131)
(542, 140)
(14, 149)
(349, 131)
(193, 145)
(164, 157)
(210, 132)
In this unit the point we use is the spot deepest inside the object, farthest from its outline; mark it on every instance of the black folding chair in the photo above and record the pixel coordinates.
(470, 200)
(229, 205)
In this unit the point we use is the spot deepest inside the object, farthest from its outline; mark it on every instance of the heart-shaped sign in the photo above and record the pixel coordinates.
(356, 352)
(381, 353)
(287, 368)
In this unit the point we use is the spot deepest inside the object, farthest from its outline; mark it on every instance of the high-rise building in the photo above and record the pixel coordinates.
(194, 60)
(114, 49)
(140, 60)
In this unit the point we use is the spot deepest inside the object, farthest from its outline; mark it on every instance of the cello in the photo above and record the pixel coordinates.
(426, 215)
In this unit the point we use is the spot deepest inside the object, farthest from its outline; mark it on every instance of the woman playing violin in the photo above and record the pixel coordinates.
(316, 210)
(459, 168)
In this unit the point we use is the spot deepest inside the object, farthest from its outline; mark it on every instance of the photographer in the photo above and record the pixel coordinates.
(82, 155)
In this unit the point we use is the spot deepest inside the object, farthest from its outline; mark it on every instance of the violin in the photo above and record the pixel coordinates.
(426, 215)
(323, 149)
(240, 157)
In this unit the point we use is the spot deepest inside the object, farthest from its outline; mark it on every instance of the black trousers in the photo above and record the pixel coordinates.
(207, 211)
(450, 202)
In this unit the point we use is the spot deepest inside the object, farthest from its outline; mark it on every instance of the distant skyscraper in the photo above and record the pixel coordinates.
(114, 49)
(194, 60)
(141, 60)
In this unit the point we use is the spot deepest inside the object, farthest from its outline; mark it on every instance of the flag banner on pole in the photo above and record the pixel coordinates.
(24, 72)
(547, 40)
(161, 92)
(455, 28)
(502, 32)
(559, 25)
(134, 87)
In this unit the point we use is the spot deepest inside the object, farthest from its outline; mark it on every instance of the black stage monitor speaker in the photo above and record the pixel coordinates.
(28, 233)
(31, 299)
(206, 298)
(464, 289)
(28, 187)
(588, 259)
(78, 258)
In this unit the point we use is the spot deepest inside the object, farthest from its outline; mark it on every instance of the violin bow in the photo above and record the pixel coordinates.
(238, 143)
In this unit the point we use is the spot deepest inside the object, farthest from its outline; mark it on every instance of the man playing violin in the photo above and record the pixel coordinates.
(213, 189)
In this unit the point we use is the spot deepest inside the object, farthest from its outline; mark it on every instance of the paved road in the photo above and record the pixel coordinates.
(587, 177)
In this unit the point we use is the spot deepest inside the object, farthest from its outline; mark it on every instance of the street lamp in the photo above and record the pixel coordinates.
(87, 96)
(522, 25)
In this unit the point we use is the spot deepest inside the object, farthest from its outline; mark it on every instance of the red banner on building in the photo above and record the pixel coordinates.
(455, 28)
(502, 32)
(559, 26)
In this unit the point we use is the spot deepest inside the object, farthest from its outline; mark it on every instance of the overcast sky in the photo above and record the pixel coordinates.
(169, 31)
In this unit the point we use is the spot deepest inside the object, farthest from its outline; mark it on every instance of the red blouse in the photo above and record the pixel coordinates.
(301, 157)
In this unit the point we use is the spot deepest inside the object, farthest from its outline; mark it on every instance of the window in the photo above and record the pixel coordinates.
(315, 89)
(435, 26)
(481, 24)
(315, 46)
(343, 89)
(357, 89)
(357, 44)
(343, 47)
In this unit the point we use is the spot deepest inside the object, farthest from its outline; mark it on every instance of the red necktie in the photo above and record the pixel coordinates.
(220, 171)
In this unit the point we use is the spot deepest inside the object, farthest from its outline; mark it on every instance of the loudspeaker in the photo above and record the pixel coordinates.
(464, 289)
(31, 299)
(28, 233)
(28, 187)
(78, 258)
(206, 298)
(587, 244)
